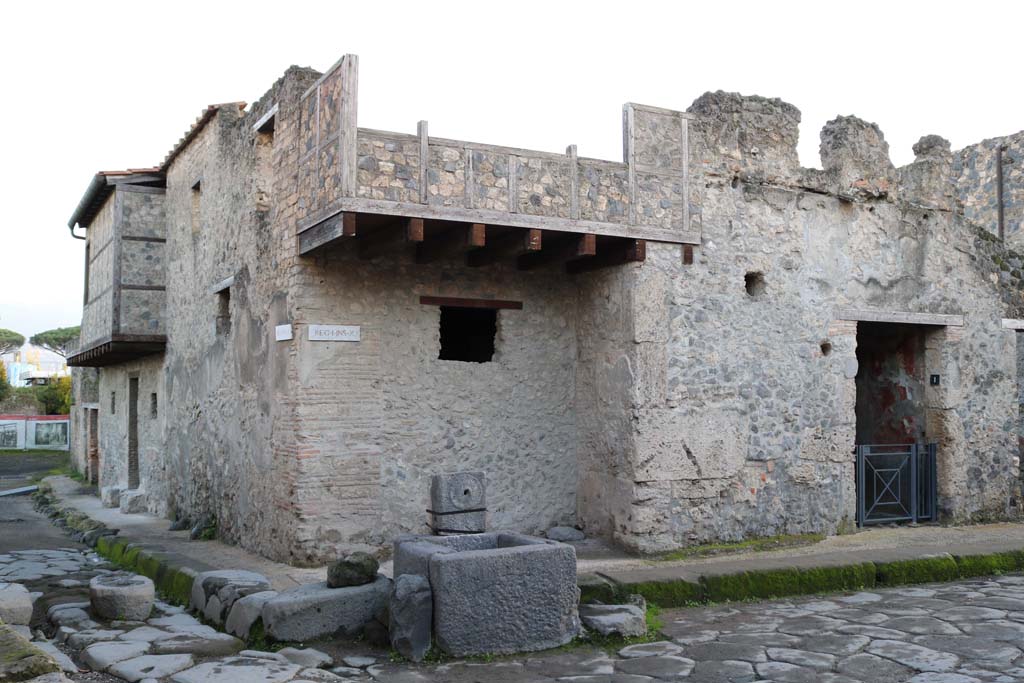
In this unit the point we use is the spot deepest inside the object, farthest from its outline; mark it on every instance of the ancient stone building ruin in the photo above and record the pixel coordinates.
(293, 321)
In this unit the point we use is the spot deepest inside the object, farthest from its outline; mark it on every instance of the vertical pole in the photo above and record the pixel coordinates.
(999, 191)
(421, 131)
(913, 483)
(860, 486)
(933, 477)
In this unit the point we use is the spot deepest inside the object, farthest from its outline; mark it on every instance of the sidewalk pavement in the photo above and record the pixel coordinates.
(877, 545)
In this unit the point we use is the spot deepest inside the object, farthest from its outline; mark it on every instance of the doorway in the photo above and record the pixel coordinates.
(133, 433)
(93, 444)
(896, 464)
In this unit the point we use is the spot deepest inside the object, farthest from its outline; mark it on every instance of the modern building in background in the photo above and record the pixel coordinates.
(294, 320)
(33, 366)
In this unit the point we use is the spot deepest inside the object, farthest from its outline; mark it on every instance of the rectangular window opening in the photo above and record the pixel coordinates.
(467, 334)
(197, 191)
(152, 405)
(224, 311)
(113, 402)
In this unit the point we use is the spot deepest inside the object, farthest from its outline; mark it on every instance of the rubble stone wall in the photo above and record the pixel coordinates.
(755, 431)
(976, 183)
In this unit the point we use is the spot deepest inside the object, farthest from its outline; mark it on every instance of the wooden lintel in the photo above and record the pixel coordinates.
(509, 245)
(626, 251)
(452, 240)
(570, 249)
(470, 303)
(373, 243)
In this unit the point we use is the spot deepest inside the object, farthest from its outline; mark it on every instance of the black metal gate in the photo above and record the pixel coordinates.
(895, 483)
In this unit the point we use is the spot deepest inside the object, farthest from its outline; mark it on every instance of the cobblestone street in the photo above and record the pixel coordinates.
(955, 632)
(959, 632)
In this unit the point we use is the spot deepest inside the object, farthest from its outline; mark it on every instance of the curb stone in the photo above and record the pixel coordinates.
(778, 583)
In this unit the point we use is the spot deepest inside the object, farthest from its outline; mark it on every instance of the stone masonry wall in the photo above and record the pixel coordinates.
(975, 172)
(229, 457)
(380, 416)
(754, 432)
(113, 428)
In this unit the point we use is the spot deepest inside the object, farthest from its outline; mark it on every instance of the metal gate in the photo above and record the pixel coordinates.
(895, 483)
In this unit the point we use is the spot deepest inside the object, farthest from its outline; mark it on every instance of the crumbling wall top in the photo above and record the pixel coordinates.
(747, 135)
(854, 152)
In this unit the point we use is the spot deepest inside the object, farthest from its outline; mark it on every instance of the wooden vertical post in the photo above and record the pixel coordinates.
(513, 183)
(421, 130)
(574, 183)
(629, 156)
(348, 149)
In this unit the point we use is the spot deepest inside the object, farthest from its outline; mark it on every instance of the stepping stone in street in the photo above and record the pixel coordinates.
(661, 647)
(128, 597)
(668, 667)
(914, 656)
(150, 666)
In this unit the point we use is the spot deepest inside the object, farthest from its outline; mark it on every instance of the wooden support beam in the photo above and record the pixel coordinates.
(339, 225)
(626, 251)
(509, 245)
(450, 241)
(571, 249)
(373, 243)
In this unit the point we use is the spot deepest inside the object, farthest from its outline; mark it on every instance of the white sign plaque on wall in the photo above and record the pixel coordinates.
(343, 333)
(282, 332)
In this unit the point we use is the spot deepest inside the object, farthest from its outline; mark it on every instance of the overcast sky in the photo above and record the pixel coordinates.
(91, 86)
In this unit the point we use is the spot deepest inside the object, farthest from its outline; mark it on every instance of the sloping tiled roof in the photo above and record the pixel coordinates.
(102, 184)
(191, 133)
(100, 187)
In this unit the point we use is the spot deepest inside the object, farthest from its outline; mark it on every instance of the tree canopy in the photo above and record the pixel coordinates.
(10, 341)
(55, 397)
(60, 340)
(5, 386)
